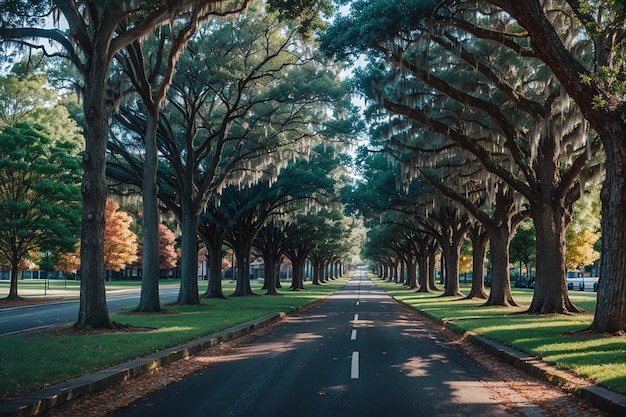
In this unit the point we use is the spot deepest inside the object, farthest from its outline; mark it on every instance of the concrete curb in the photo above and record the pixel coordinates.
(42, 401)
(600, 397)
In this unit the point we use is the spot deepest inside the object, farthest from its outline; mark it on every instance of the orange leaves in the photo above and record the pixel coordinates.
(120, 243)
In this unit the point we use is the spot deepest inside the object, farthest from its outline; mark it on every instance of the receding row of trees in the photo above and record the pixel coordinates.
(207, 111)
(486, 126)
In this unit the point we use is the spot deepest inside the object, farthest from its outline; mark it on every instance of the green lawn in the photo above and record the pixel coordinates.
(33, 360)
(556, 338)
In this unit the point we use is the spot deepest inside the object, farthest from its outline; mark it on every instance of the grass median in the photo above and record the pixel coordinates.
(557, 339)
(34, 360)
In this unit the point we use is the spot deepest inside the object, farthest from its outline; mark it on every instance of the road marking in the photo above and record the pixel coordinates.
(354, 373)
(353, 336)
(357, 303)
(356, 317)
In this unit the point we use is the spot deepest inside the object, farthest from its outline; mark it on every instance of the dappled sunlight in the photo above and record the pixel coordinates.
(262, 350)
(173, 329)
(415, 367)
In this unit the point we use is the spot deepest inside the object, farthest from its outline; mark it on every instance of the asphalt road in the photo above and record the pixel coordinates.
(358, 354)
(41, 315)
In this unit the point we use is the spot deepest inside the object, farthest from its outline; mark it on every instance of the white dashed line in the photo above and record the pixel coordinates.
(356, 317)
(353, 336)
(358, 302)
(354, 373)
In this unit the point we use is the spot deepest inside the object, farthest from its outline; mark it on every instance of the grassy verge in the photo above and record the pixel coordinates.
(556, 338)
(34, 360)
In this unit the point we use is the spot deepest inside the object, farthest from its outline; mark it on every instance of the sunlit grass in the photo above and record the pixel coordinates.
(33, 360)
(558, 339)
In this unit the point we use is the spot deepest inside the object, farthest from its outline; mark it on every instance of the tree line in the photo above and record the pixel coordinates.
(492, 112)
(182, 103)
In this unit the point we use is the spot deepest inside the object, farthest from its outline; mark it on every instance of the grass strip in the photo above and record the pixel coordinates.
(34, 360)
(558, 339)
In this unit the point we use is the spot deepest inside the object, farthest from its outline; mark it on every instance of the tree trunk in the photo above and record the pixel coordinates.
(297, 279)
(270, 260)
(188, 294)
(426, 278)
(411, 280)
(422, 267)
(432, 274)
(149, 299)
(452, 254)
(500, 294)
(93, 311)
(318, 266)
(214, 289)
(13, 285)
(480, 238)
(242, 251)
(610, 316)
(551, 295)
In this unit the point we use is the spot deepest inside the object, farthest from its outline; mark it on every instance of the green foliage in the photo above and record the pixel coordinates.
(308, 13)
(371, 23)
(39, 192)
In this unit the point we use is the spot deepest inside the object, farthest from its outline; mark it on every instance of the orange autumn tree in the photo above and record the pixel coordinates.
(120, 242)
(167, 253)
(68, 262)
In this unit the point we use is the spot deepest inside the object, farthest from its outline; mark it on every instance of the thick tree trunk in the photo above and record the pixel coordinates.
(551, 295)
(500, 294)
(480, 238)
(318, 266)
(188, 294)
(13, 284)
(149, 300)
(93, 311)
(452, 254)
(297, 279)
(411, 280)
(426, 278)
(214, 290)
(610, 315)
(270, 261)
(242, 251)
(432, 274)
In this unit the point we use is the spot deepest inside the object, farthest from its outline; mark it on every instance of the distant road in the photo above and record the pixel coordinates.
(41, 315)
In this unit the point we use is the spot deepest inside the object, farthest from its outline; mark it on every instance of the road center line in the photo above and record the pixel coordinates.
(354, 373)
(356, 317)
(353, 336)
